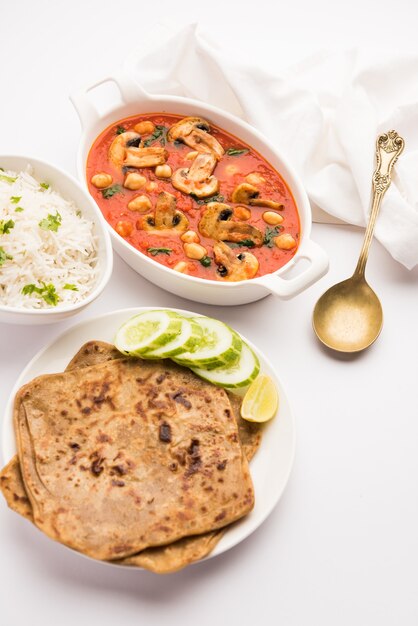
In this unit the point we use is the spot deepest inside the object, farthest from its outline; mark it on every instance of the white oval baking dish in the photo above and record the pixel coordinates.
(135, 100)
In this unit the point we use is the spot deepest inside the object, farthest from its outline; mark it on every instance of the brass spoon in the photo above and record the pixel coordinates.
(348, 317)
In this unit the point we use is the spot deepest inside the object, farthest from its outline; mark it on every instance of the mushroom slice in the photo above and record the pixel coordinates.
(184, 127)
(234, 267)
(216, 223)
(197, 179)
(145, 157)
(118, 146)
(271, 204)
(194, 132)
(167, 219)
(202, 167)
(212, 216)
(248, 194)
(244, 193)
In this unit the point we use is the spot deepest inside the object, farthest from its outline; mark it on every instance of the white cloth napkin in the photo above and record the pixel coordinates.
(324, 114)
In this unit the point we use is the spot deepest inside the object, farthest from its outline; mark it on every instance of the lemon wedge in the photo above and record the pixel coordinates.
(261, 400)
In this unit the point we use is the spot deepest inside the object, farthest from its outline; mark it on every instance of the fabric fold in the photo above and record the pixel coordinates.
(323, 114)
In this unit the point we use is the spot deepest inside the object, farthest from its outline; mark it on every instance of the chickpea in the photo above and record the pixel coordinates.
(151, 187)
(285, 241)
(163, 171)
(255, 179)
(231, 169)
(140, 203)
(242, 213)
(124, 229)
(181, 266)
(190, 156)
(190, 237)
(272, 218)
(144, 128)
(195, 251)
(134, 181)
(101, 180)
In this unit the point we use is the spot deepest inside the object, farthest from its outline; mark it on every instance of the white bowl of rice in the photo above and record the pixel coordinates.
(55, 250)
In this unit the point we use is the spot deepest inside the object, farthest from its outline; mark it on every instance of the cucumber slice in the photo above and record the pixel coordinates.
(220, 346)
(189, 337)
(147, 331)
(241, 374)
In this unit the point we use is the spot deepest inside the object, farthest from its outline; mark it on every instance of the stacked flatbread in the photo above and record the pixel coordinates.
(138, 462)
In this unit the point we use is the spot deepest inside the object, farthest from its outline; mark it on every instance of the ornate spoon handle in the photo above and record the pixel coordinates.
(388, 147)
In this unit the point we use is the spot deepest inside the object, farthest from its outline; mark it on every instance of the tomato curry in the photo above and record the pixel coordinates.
(193, 197)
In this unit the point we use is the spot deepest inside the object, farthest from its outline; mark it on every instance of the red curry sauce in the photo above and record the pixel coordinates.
(230, 170)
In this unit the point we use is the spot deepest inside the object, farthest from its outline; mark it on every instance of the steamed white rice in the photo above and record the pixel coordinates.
(67, 257)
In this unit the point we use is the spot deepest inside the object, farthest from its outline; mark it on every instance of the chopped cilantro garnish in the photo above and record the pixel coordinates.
(160, 133)
(120, 130)
(44, 185)
(47, 292)
(52, 222)
(155, 251)
(15, 199)
(270, 234)
(111, 191)
(205, 261)
(4, 256)
(6, 227)
(8, 179)
(78, 213)
(70, 287)
(28, 289)
(50, 295)
(236, 151)
(19, 209)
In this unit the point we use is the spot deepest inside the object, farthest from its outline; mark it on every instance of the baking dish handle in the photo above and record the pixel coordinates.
(130, 91)
(287, 288)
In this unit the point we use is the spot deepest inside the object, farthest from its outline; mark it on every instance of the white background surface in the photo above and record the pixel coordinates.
(341, 548)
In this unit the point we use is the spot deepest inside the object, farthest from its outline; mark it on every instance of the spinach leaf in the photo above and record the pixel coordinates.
(217, 198)
(205, 261)
(155, 251)
(111, 191)
(245, 242)
(270, 234)
(236, 151)
(120, 130)
(160, 133)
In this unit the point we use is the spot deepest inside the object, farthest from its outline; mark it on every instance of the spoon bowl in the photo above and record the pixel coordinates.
(348, 317)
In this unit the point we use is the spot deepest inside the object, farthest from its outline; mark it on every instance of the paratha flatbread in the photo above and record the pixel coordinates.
(161, 559)
(13, 489)
(122, 456)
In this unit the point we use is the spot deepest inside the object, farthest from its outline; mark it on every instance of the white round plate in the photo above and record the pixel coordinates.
(270, 467)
